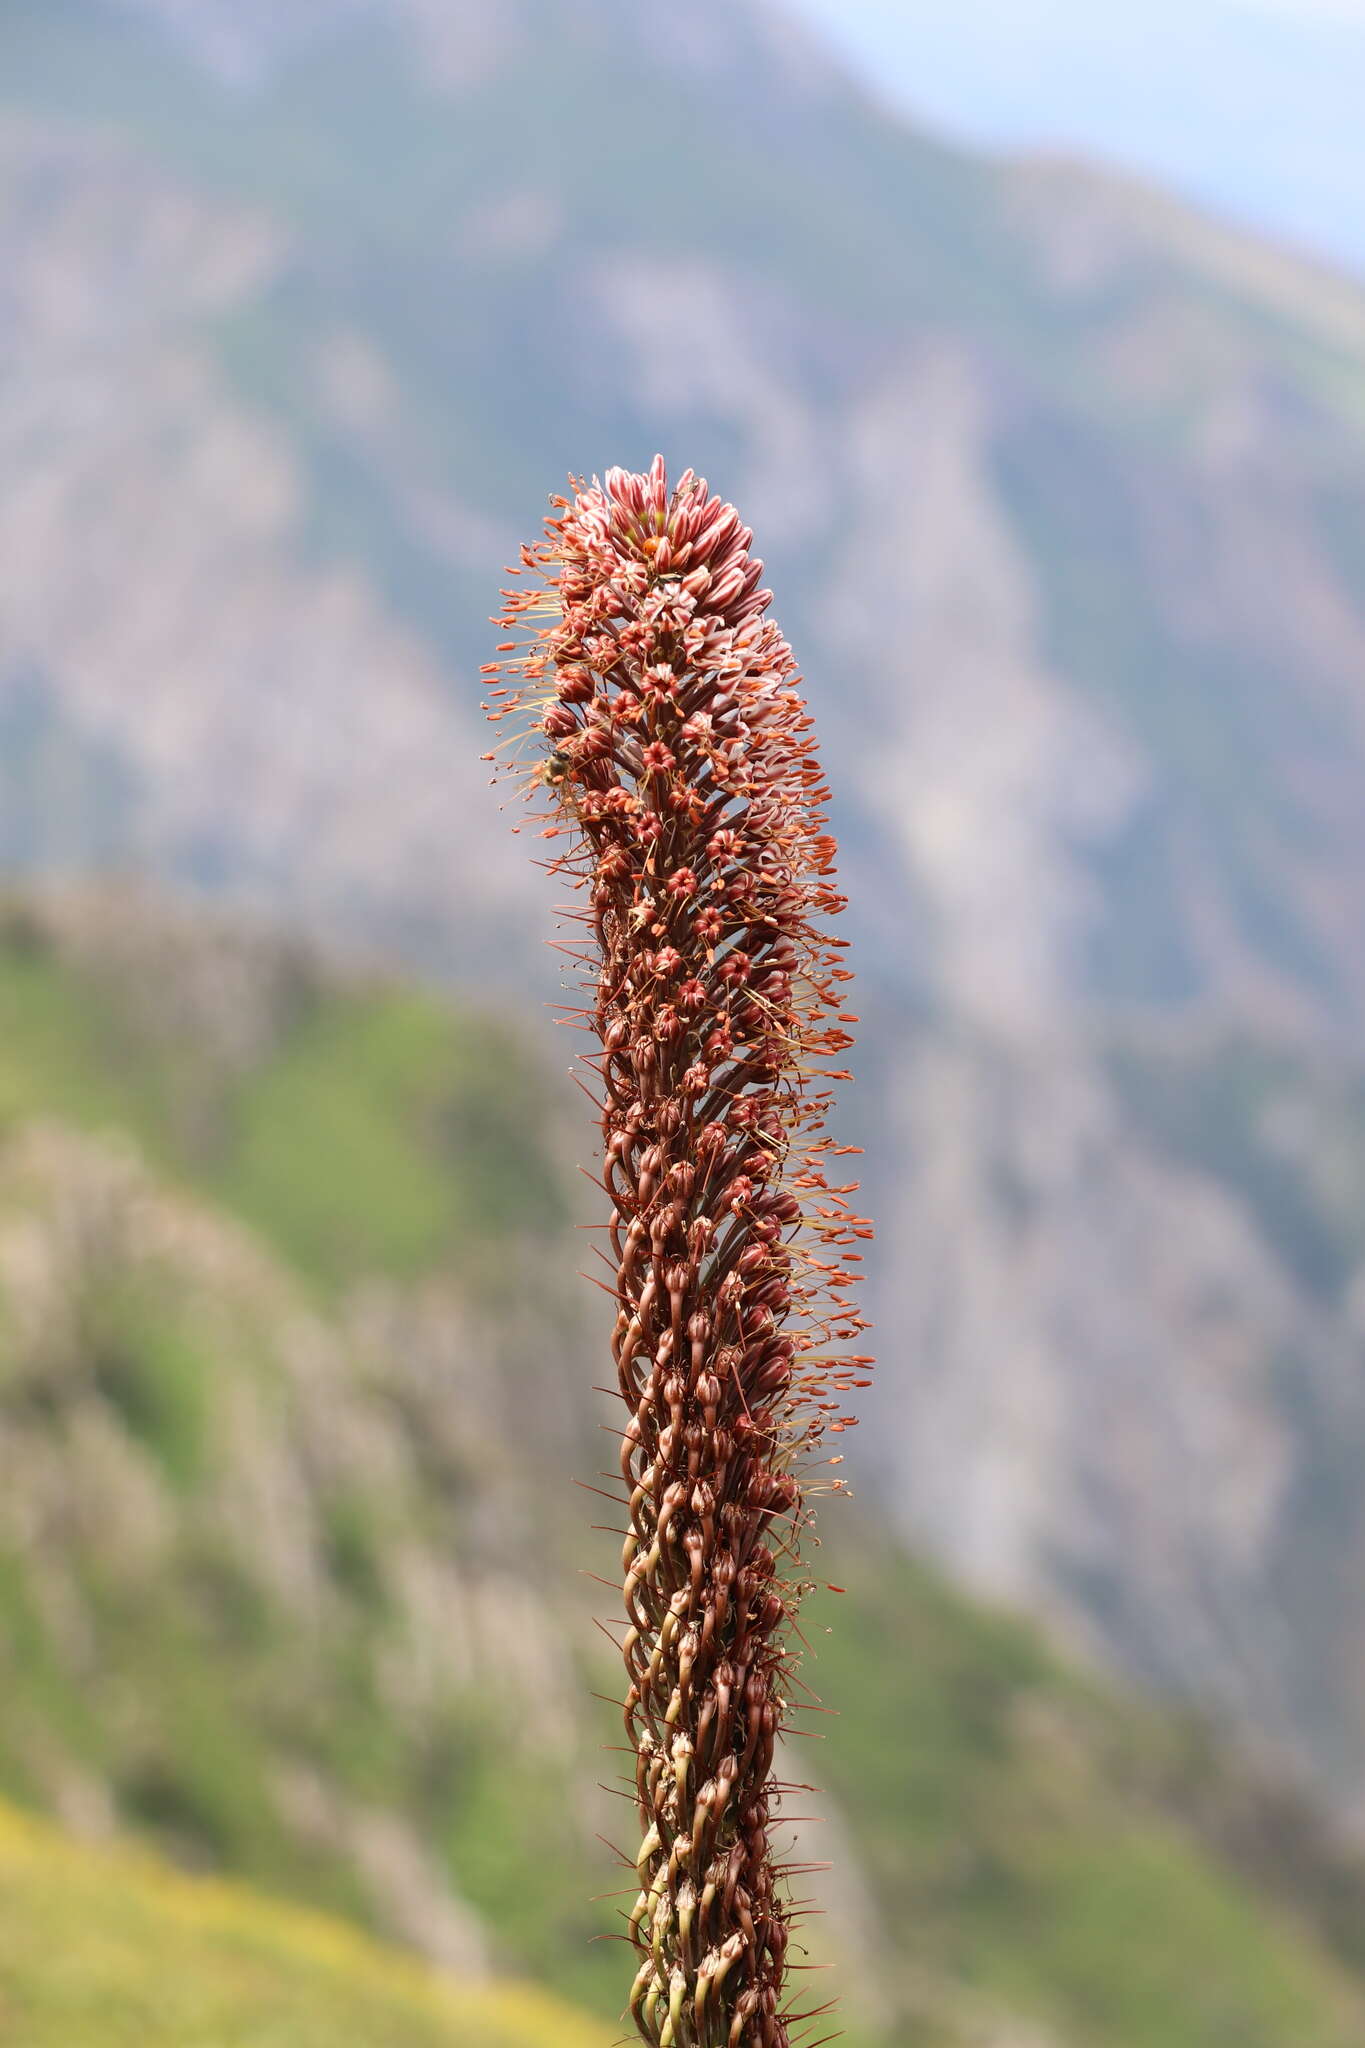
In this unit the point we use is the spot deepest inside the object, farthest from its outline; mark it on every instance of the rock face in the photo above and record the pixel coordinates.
(304, 311)
(1132, 1381)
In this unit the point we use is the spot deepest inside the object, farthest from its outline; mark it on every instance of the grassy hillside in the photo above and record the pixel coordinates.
(1053, 1850)
(288, 1570)
(108, 1950)
(279, 1475)
(373, 1129)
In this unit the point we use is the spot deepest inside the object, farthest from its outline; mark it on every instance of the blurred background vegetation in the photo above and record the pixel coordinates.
(1062, 484)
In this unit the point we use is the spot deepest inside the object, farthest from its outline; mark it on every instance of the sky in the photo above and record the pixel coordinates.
(1342, 10)
(1251, 107)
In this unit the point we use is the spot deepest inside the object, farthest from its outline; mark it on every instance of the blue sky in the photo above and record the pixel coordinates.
(1255, 107)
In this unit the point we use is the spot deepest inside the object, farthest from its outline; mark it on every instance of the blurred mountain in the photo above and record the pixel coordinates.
(292, 1577)
(1248, 106)
(304, 311)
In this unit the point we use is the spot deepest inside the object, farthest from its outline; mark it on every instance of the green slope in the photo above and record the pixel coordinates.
(376, 1130)
(102, 1949)
(1046, 1843)
(288, 1568)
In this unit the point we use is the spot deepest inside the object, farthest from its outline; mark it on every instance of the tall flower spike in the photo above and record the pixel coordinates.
(672, 749)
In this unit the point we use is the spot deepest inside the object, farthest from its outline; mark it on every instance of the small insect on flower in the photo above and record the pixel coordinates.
(686, 787)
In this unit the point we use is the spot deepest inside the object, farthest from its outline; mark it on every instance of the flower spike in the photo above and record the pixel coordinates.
(673, 757)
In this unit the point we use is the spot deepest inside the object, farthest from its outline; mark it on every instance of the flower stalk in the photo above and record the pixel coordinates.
(671, 745)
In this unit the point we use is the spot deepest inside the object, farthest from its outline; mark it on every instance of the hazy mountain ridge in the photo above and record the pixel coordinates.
(1060, 488)
(1250, 104)
(1050, 319)
(323, 706)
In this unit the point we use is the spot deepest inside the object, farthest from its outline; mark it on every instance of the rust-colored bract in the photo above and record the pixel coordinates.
(673, 751)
